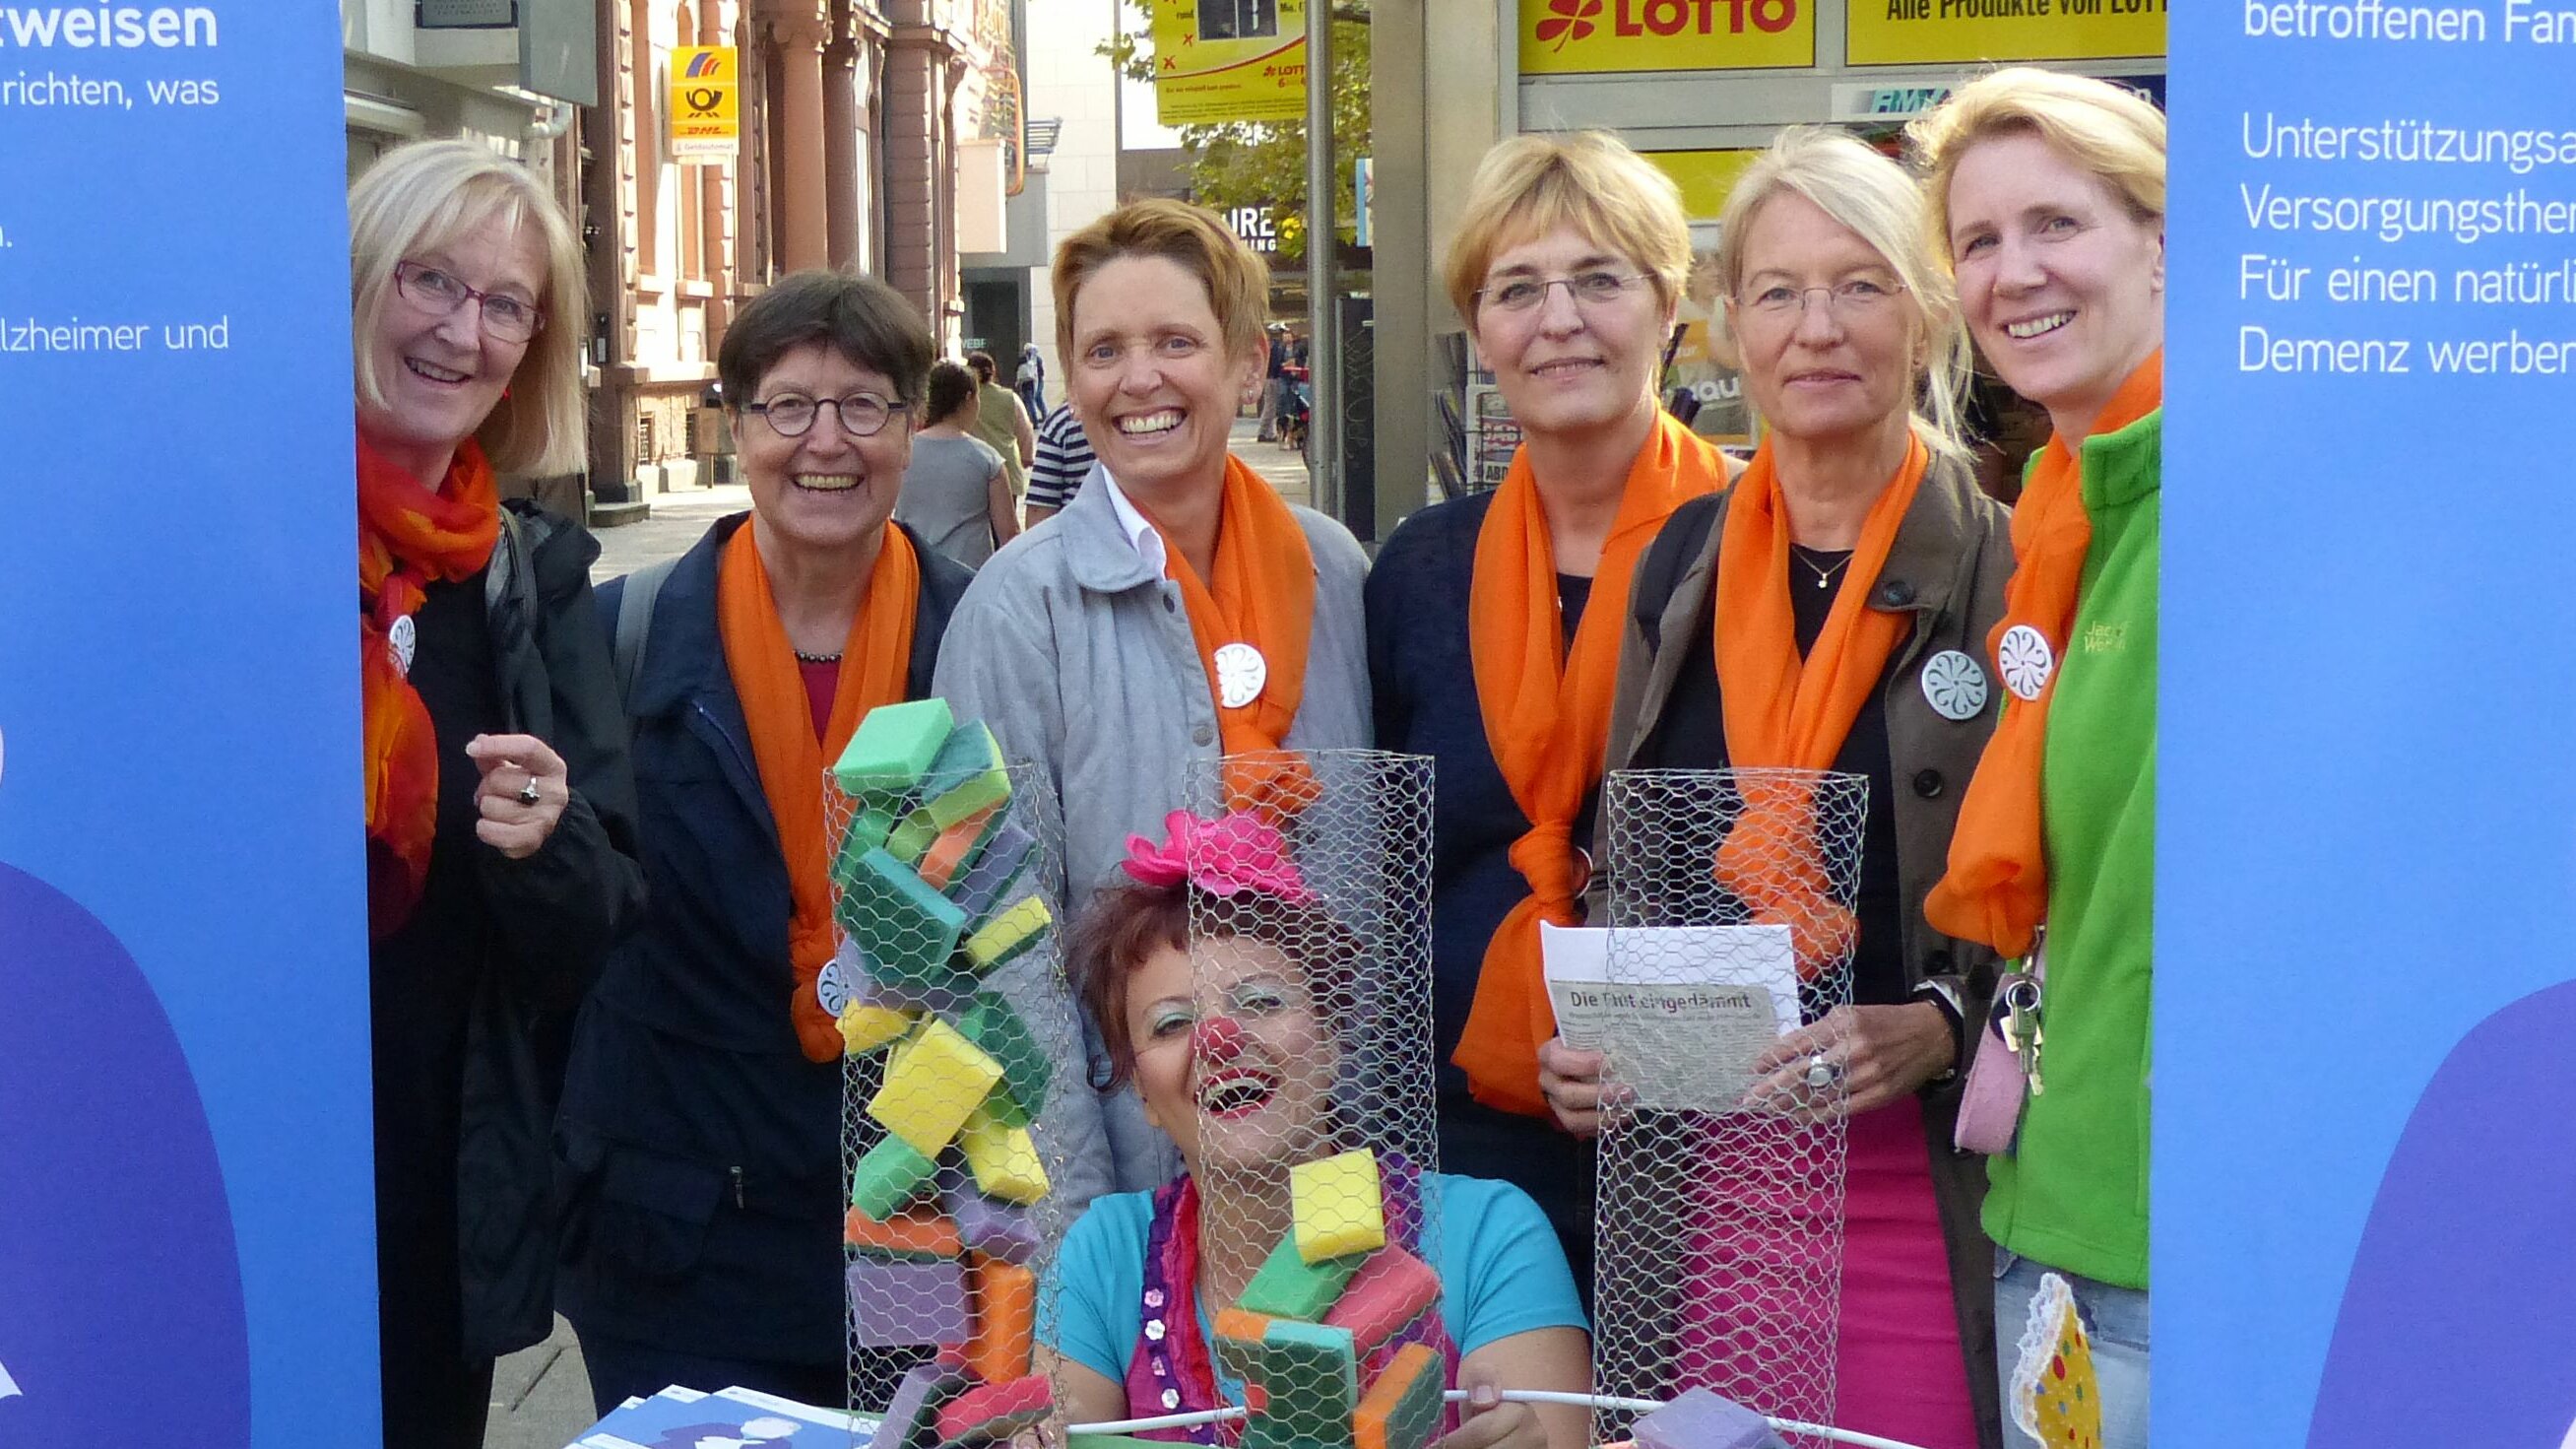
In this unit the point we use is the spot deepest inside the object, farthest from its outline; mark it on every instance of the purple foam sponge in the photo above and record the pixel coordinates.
(912, 1420)
(1702, 1419)
(900, 1303)
(994, 1229)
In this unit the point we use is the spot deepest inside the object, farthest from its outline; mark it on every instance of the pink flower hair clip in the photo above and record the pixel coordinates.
(1237, 852)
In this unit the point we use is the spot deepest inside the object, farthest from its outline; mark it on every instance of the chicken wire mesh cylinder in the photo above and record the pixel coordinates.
(949, 988)
(1732, 901)
(1311, 1054)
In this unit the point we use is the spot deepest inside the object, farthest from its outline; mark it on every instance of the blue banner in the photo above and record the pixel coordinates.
(2365, 1176)
(186, 1228)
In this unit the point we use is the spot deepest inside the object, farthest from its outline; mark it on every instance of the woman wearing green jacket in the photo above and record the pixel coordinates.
(2050, 192)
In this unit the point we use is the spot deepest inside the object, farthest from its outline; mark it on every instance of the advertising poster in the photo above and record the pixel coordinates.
(2364, 1196)
(1965, 32)
(1579, 37)
(705, 104)
(1713, 385)
(186, 1233)
(1218, 62)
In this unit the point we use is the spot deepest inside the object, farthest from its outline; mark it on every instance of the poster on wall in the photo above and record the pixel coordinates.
(186, 1231)
(1218, 62)
(1697, 378)
(2364, 1197)
(1966, 32)
(1582, 37)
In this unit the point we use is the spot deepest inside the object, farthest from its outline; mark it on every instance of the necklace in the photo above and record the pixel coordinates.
(1824, 576)
(804, 658)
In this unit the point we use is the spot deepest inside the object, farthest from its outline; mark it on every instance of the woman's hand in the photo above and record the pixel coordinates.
(516, 820)
(1571, 1080)
(1880, 1052)
(1492, 1424)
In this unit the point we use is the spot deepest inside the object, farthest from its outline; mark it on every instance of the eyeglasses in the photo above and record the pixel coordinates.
(1851, 300)
(790, 414)
(435, 293)
(1588, 289)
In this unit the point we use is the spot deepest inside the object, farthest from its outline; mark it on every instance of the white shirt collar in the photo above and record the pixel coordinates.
(1140, 531)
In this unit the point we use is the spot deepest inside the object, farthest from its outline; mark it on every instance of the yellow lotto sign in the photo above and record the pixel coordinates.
(1704, 177)
(1951, 32)
(705, 102)
(1577, 37)
(1223, 61)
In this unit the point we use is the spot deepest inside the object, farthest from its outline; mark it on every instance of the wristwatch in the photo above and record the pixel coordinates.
(1946, 996)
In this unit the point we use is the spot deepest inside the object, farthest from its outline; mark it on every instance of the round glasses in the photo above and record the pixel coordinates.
(791, 414)
(1850, 300)
(436, 294)
(1588, 289)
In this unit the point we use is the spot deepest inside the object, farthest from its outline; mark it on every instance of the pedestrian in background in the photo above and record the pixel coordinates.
(1274, 383)
(1003, 422)
(1064, 461)
(501, 822)
(1030, 381)
(955, 494)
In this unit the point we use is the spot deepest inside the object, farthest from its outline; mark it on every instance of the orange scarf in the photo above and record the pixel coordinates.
(1996, 890)
(876, 663)
(1547, 720)
(1784, 712)
(408, 535)
(1262, 593)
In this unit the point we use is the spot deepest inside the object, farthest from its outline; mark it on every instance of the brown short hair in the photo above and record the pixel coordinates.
(1190, 237)
(952, 387)
(861, 318)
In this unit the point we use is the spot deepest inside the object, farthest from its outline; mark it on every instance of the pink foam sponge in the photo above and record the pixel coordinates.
(1701, 1419)
(899, 1303)
(992, 1413)
(1391, 1289)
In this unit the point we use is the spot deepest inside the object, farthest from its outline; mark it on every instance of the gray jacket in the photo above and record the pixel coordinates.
(1080, 657)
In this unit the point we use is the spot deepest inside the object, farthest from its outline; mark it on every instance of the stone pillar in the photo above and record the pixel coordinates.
(915, 99)
(841, 160)
(797, 29)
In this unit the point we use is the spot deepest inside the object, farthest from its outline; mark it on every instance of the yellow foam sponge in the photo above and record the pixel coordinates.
(865, 1028)
(933, 1083)
(1008, 933)
(1004, 1158)
(1337, 1206)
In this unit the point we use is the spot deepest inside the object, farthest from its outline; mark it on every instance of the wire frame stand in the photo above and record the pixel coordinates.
(1311, 965)
(949, 988)
(1720, 1227)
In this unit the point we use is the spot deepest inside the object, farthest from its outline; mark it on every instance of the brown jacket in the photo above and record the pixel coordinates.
(1947, 568)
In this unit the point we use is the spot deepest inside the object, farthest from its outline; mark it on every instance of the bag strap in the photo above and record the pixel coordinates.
(635, 624)
(1667, 555)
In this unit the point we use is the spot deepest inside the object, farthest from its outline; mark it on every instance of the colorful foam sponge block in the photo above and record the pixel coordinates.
(1239, 1335)
(888, 1177)
(991, 1413)
(892, 748)
(1003, 1157)
(865, 1026)
(868, 830)
(1391, 1289)
(933, 1083)
(912, 1417)
(914, 1234)
(1310, 1377)
(994, 1229)
(1004, 1297)
(965, 777)
(990, 1023)
(1290, 1287)
(899, 1302)
(995, 871)
(1700, 1419)
(1403, 1409)
(1002, 939)
(957, 846)
(1337, 1206)
(906, 930)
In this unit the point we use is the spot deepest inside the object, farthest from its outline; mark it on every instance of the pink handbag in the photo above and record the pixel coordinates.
(1998, 1084)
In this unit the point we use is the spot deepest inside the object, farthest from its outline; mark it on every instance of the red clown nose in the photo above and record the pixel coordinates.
(1217, 1041)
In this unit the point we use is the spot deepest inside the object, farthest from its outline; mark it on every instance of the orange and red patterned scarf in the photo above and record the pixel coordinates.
(408, 535)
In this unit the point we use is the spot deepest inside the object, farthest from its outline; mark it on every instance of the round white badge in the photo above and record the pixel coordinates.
(1240, 674)
(403, 640)
(832, 989)
(2026, 660)
(1954, 685)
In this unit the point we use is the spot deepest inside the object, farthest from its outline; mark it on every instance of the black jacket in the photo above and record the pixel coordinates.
(702, 1148)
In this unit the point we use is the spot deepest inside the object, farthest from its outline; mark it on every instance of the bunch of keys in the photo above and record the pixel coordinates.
(2021, 1028)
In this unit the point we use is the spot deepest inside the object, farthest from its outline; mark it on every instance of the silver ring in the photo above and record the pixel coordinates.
(528, 792)
(1822, 1073)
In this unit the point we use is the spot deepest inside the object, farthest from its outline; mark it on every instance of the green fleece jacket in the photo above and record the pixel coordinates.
(2074, 1193)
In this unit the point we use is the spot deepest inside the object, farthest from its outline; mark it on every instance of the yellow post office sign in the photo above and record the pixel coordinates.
(1955, 32)
(1217, 62)
(705, 103)
(1582, 37)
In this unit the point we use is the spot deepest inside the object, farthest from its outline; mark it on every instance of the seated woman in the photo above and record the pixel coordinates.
(1235, 1054)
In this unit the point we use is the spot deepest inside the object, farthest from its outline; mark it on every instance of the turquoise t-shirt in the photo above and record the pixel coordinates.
(1501, 1273)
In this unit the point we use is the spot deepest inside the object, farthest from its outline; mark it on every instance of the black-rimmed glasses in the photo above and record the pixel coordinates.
(437, 294)
(791, 414)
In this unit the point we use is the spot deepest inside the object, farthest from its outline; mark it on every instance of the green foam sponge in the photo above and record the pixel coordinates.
(906, 930)
(889, 1176)
(989, 1022)
(966, 776)
(892, 747)
(1290, 1287)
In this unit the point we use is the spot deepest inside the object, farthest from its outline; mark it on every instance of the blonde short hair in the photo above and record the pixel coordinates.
(1876, 201)
(1190, 237)
(427, 195)
(2106, 129)
(1528, 186)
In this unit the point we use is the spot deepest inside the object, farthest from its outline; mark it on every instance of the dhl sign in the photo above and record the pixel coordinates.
(1577, 37)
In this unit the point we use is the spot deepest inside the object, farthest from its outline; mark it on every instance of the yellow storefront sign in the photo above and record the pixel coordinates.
(1578, 37)
(1705, 178)
(1954, 32)
(1217, 62)
(705, 104)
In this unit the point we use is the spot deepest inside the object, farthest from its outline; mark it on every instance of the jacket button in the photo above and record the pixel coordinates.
(1895, 594)
(1202, 735)
(1171, 605)
(1927, 784)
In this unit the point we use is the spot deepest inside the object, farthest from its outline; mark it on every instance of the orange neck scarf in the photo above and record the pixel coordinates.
(1996, 890)
(1261, 592)
(1788, 713)
(876, 663)
(408, 535)
(1547, 720)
